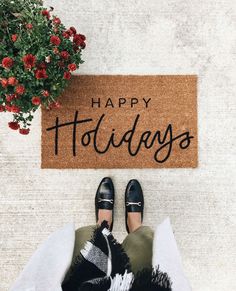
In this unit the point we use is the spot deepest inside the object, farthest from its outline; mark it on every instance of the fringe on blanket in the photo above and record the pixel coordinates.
(104, 265)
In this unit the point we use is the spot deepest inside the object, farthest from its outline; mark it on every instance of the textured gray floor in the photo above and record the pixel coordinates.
(140, 37)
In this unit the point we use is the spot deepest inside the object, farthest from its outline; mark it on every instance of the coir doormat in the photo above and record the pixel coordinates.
(123, 122)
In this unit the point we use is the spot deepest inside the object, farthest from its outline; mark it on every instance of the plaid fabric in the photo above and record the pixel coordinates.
(103, 265)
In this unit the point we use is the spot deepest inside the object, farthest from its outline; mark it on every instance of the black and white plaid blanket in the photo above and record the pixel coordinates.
(103, 265)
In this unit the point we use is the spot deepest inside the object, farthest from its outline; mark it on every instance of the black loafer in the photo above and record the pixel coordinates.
(134, 201)
(105, 197)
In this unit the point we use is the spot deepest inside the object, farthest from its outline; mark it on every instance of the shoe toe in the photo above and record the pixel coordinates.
(134, 191)
(106, 188)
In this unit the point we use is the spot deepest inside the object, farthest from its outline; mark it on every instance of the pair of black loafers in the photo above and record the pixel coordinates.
(105, 198)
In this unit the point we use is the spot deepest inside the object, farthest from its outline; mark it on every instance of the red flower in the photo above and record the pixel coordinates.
(36, 100)
(8, 107)
(10, 97)
(29, 61)
(20, 89)
(45, 93)
(7, 62)
(24, 131)
(72, 67)
(65, 34)
(64, 55)
(15, 109)
(14, 37)
(46, 13)
(73, 29)
(57, 20)
(12, 81)
(67, 75)
(29, 25)
(4, 83)
(83, 37)
(14, 125)
(41, 74)
(55, 40)
(69, 32)
(54, 105)
(79, 39)
(83, 45)
(2, 108)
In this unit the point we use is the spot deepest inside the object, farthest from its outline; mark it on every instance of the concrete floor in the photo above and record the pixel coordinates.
(139, 37)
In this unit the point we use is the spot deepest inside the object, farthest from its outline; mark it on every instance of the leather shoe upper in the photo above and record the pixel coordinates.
(105, 196)
(134, 200)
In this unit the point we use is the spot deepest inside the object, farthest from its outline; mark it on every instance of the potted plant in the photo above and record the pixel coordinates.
(37, 56)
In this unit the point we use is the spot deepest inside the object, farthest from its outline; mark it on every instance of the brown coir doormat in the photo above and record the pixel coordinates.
(123, 122)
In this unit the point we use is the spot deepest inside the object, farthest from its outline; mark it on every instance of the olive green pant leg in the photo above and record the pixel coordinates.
(82, 235)
(138, 246)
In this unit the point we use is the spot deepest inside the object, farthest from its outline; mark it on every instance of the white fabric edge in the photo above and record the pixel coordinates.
(167, 257)
(47, 267)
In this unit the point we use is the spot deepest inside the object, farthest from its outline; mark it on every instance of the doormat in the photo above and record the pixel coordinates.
(123, 122)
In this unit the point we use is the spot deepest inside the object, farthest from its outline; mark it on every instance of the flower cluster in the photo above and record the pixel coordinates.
(37, 57)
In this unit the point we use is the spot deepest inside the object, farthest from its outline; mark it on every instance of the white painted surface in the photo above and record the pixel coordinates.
(139, 37)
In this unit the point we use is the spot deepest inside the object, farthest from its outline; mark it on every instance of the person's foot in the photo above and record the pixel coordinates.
(104, 202)
(134, 205)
